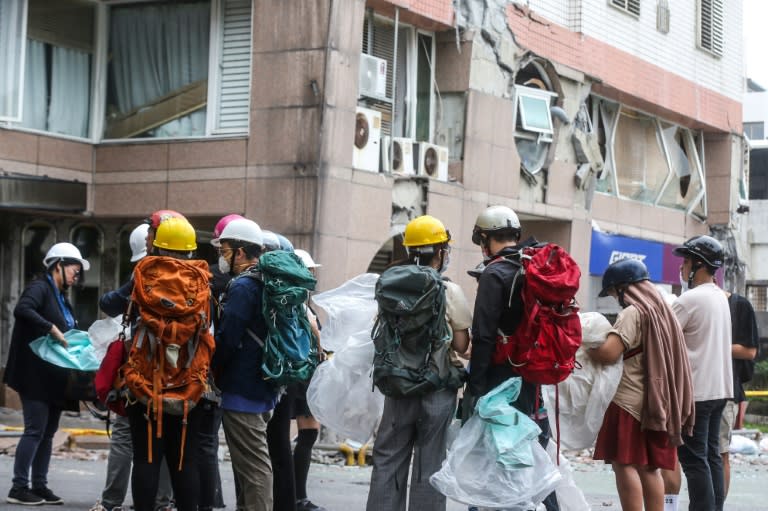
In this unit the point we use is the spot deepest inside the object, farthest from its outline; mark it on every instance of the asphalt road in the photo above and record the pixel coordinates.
(79, 483)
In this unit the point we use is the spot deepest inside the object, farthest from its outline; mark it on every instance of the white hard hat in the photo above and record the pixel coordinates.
(241, 229)
(306, 258)
(138, 242)
(62, 251)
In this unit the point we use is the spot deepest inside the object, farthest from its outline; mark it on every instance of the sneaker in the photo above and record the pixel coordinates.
(47, 495)
(24, 496)
(308, 505)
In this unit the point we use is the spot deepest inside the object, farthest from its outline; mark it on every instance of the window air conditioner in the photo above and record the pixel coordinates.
(432, 161)
(401, 152)
(365, 154)
(373, 77)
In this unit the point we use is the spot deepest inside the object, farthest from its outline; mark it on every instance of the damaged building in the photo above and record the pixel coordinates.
(613, 128)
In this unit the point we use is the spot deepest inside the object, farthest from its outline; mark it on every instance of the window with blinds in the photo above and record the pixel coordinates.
(234, 80)
(710, 20)
(629, 6)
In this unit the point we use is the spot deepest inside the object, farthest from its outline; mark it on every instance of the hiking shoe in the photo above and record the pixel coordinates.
(308, 505)
(24, 496)
(47, 495)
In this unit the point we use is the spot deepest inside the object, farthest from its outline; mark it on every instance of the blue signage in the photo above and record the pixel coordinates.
(609, 248)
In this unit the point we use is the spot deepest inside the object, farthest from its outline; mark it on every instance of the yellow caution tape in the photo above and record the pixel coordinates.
(756, 393)
(71, 431)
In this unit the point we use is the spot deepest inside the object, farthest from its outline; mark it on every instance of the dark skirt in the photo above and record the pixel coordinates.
(621, 440)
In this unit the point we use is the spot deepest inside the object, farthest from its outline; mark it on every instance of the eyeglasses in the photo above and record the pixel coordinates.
(224, 251)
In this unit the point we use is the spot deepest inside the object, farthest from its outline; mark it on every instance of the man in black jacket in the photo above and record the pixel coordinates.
(498, 311)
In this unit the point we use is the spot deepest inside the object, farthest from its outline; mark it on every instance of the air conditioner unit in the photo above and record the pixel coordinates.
(373, 77)
(366, 150)
(432, 161)
(400, 150)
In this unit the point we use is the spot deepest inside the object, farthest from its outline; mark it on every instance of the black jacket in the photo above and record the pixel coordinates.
(495, 312)
(25, 372)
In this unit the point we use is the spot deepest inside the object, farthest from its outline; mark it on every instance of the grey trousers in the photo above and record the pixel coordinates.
(246, 435)
(119, 469)
(410, 427)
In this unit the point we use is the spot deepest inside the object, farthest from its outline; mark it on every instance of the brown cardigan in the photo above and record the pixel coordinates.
(668, 400)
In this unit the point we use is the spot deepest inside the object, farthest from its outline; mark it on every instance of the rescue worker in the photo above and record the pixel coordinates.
(416, 427)
(42, 309)
(498, 310)
(247, 399)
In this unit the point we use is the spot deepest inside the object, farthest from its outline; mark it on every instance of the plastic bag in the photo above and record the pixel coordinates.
(586, 394)
(79, 355)
(102, 332)
(341, 394)
(569, 496)
(350, 307)
(511, 431)
(472, 475)
(743, 445)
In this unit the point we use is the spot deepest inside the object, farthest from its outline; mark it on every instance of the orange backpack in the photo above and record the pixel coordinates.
(172, 346)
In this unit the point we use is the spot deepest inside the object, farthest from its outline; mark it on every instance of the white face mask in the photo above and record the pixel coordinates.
(223, 264)
(683, 284)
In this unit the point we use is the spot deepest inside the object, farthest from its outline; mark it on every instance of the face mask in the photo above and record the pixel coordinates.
(683, 284)
(223, 264)
(446, 262)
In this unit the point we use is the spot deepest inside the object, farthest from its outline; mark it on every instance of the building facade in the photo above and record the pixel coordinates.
(601, 122)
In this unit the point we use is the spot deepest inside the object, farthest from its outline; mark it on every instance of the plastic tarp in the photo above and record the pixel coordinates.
(585, 394)
(102, 332)
(341, 394)
(569, 496)
(474, 474)
(79, 355)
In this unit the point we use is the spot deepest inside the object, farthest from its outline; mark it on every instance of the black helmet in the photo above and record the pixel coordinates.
(706, 248)
(625, 271)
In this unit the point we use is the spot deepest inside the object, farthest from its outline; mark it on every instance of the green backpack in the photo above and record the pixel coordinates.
(411, 336)
(290, 349)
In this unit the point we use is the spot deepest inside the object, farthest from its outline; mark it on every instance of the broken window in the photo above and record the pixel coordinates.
(407, 106)
(647, 159)
(709, 25)
(684, 189)
(12, 44)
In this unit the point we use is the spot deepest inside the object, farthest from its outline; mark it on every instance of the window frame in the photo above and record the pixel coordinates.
(10, 118)
(541, 134)
(98, 83)
(630, 7)
(410, 99)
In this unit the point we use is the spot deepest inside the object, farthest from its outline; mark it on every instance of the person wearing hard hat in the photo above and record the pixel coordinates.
(42, 309)
(246, 397)
(120, 458)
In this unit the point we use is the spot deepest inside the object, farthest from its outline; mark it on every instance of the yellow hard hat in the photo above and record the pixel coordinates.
(175, 234)
(425, 230)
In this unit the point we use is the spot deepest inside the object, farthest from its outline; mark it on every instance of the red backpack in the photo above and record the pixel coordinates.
(543, 347)
(109, 381)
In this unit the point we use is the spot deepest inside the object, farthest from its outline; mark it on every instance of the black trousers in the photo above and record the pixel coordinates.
(185, 482)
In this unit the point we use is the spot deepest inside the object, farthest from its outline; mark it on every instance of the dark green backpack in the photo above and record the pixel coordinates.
(290, 349)
(411, 335)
